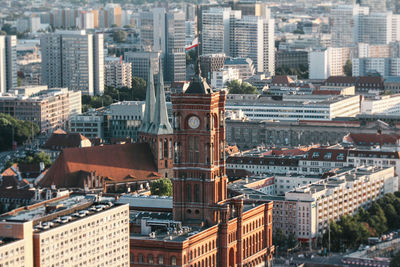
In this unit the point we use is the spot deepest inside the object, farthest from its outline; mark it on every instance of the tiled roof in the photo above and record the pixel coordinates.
(238, 173)
(326, 92)
(272, 161)
(323, 154)
(370, 80)
(63, 140)
(17, 193)
(340, 80)
(7, 181)
(282, 79)
(366, 139)
(374, 154)
(10, 171)
(116, 162)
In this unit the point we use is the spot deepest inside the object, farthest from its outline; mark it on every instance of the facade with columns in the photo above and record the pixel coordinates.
(205, 228)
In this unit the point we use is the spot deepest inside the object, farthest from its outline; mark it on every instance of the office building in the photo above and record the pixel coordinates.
(8, 62)
(389, 104)
(291, 59)
(73, 59)
(297, 107)
(70, 230)
(220, 77)
(141, 62)
(125, 119)
(117, 73)
(244, 65)
(50, 109)
(210, 63)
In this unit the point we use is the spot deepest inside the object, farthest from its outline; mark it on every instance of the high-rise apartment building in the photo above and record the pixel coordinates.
(345, 24)
(375, 28)
(175, 60)
(384, 66)
(68, 231)
(215, 31)
(73, 59)
(253, 37)
(165, 32)
(117, 73)
(327, 62)
(8, 62)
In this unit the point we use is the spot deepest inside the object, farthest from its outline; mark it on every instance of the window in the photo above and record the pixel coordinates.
(150, 258)
(189, 192)
(160, 259)
(141, 258)
(196, 193)
(173, 260)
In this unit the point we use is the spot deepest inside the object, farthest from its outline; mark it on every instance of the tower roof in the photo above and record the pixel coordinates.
(198, 84)
(160, 124)
(150, 103)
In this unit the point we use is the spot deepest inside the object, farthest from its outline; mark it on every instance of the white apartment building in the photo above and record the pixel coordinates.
(375, 28)
(69, 231)
(117, 73)
(90, 125)
(215, 35)
(254, 37)
(345, 24)
(221, 77)
(328, 62)
(126, 117)
(73, 59)
(8, 62)
(286, 183)
(298, 108)
(328, 199)
(384, 66)
(389, 104)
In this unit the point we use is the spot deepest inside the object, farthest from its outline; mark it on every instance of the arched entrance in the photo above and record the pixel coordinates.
(232, 257)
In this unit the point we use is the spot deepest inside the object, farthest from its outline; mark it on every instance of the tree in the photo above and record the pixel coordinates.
(139, 88)
(395, 262)
(279, 239)
(161, 187)
(119, 36)
(348, 68)
(235, 87)
(14, 129)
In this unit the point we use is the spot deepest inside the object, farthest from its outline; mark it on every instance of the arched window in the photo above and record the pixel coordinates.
(160, 149)
(173, 260)
(170, 148)
(165, 148)
(160, 259)
(150, 259)
(196, 193)
(141, 258)
(189, 192)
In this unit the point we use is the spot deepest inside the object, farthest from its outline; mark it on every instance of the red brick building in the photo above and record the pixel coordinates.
(206, 228)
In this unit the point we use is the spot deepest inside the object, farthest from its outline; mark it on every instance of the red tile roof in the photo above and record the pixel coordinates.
(372, 139)
(59, 140)
(340, 80)
(324, 154)
(282, 79)
(117, 162)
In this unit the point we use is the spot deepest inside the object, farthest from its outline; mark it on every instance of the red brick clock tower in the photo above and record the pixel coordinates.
(199, 182)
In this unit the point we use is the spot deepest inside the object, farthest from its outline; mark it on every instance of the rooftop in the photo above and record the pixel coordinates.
(53, 214)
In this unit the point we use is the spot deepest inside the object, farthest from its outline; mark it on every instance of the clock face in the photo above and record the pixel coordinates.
(194, 122)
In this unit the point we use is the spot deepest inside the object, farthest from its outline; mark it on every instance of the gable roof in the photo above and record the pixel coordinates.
(282, 79)
(119, 163)
(59, 140)
(340, 80)
(366, 139)
(326, 154)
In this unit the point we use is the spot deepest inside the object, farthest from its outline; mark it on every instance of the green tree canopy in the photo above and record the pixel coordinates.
(161, 187)
(348, 68)
(119, 36)
(12, 128)
(235, 87)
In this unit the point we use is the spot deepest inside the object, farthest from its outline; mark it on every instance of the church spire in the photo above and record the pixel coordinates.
(160, 124)
(150, 102)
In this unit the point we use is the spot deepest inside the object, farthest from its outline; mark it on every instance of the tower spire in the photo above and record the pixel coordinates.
(160, 123)
(150, 102)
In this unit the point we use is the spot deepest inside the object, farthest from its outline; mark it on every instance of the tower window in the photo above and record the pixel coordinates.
(196, 193)
(188, 193)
